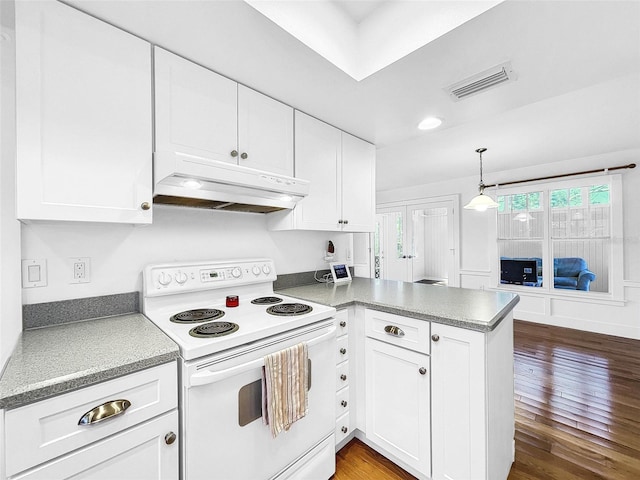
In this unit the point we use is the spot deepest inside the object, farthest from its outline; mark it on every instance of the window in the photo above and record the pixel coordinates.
(558, 237)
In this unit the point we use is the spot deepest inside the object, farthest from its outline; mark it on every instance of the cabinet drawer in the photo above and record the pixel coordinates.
(141, 452)
(49, 428)
(342, 427)
(342, 322)
(342, 349)
(342, 401)
(405, 332)
(342, 375)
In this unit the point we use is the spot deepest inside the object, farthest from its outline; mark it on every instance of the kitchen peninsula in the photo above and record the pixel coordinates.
(460, 423)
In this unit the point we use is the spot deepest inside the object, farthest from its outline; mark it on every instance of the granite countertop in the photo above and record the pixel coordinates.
(58, 359)
(461, 307)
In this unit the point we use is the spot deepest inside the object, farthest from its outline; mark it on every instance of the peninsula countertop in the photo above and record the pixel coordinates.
(461, 307)
(58, 359)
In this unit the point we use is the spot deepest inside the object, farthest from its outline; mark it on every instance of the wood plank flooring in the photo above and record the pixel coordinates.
(577, 397)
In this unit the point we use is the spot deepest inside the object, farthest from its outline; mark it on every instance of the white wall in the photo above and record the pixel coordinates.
(10, 304)
(119, 252)
(615, 318)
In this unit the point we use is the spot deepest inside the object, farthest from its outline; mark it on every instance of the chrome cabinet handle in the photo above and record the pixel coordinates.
(340, 221)
(345, 221)
(343, 351)
(234, 153)
(244, 155)
(422, 370)
(393, 330)
(343, 377)
(145, 205)
(343, 403)
(344, 429)
(343, 324)
(104, 412)
(169, 438)
(435, 337)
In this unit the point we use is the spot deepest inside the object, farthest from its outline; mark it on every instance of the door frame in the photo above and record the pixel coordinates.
(453, 203)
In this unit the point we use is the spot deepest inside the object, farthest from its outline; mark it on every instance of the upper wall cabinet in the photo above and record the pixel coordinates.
(201, 113)
(341, 169)
(83, 118)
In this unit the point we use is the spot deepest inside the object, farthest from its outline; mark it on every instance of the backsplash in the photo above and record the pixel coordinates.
(66, 311)
(118, 253)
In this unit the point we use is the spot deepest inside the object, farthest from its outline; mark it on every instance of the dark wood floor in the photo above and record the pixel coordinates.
(577, 398)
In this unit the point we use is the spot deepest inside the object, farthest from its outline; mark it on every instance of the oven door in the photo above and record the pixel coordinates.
(223, 435)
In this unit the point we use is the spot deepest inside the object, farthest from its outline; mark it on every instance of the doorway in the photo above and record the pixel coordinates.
(417, 242)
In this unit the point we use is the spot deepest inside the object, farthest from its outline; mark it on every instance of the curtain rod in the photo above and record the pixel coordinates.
(631, 165)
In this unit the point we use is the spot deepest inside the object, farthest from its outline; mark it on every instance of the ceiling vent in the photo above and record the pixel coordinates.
(482, 81)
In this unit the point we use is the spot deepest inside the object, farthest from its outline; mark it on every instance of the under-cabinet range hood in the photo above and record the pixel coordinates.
(188, 180)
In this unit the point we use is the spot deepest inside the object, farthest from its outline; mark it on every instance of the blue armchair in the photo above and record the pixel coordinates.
(571, 273)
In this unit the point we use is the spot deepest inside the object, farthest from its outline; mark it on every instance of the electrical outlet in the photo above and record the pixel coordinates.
(80, 269)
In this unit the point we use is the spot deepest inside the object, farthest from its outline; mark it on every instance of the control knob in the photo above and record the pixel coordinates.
(164, 279)
(181, 278)
(256, 270)
(266, 269)
(236, 272)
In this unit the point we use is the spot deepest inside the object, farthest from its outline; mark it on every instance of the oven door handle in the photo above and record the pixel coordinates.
(205, 377)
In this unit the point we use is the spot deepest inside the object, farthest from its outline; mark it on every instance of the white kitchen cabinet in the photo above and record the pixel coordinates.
(341, 168)
(358, 184)
(201, 113)
(472, 402)
(265, 133)
(139, 453)
(83, 118)
(398, 406)
(47, 439)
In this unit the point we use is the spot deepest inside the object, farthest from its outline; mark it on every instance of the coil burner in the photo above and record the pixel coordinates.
(198, 315)
(213, 329)
(266, 300)
(289, 309)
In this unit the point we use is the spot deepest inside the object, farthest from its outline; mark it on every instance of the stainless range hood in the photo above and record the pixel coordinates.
(187, 180)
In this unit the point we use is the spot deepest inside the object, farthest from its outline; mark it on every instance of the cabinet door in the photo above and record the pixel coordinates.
(83, 117)
(265, 132)
(397, 396)
(458, 403)
(358, 184)
(196, 109)
(141, 453)
(317, 151)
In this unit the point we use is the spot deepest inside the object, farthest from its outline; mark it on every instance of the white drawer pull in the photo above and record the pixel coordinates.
(393, 330)
(104, 412)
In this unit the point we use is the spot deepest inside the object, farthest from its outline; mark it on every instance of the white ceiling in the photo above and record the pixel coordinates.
(577, 93)
(363, 37)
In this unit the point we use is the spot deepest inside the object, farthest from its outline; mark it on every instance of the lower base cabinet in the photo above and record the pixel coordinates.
(455, 421)
(472, 402)
(141, 452)
(398, 404)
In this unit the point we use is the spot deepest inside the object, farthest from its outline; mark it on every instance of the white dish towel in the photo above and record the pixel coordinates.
(285, 377)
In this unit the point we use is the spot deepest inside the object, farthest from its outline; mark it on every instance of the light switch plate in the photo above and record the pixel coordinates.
(34, 273)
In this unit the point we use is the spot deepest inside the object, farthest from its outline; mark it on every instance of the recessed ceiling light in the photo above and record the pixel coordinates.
(429, 123)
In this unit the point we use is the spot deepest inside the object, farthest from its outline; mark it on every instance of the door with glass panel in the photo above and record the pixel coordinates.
(416, 243)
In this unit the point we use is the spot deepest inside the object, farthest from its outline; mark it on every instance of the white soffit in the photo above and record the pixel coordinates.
(362, 41)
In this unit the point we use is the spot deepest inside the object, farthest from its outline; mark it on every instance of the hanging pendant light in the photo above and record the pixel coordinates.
(481, 202)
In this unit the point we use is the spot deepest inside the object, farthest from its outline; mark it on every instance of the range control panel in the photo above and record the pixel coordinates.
(174, 278)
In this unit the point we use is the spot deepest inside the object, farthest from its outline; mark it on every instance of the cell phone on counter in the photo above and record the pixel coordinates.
(340, 272)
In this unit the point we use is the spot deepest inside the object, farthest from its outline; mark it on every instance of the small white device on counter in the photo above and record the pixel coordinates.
(340, 272)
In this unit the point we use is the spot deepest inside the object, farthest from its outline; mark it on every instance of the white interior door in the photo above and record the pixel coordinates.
(418, 242)
(432, 242)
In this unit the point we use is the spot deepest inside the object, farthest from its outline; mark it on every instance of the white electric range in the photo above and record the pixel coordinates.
(225, 318)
